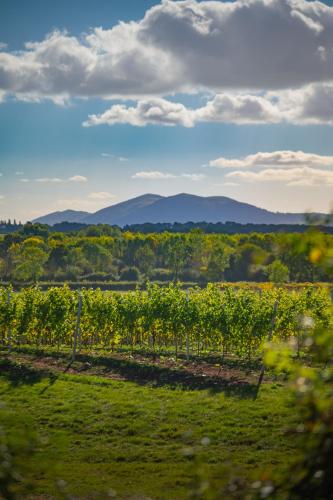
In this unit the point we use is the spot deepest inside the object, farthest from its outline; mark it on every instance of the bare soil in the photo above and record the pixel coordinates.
(155, 370)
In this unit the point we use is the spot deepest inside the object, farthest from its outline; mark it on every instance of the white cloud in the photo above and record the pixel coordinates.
(57, 180)
(150, 112)
(194, 177)
(299, 176)
(19, 173)
(231, 184)
(292, 168)
(51, 180)
(239, 108)
(100, 195)
(153, 175)
(119, 158)
(229, 108)
(311, 23)
(23, 179)
(311, 104)
(78, 178)
(274, 159)
(156, 175)
(180, 46)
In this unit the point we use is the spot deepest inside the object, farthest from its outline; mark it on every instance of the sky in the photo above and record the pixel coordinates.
(104, 100)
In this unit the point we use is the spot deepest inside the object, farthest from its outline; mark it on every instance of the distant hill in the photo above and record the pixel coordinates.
(120, 213)
(179, 208)
(64, 216)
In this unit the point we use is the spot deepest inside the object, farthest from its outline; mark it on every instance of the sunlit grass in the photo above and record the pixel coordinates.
(97, 436)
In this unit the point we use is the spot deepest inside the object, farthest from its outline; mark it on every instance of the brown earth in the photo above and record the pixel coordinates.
(228, 376)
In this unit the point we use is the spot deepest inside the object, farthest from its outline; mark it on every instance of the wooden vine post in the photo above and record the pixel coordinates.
(9, 331)
(262, 371)
(76, 342)
(187, 326)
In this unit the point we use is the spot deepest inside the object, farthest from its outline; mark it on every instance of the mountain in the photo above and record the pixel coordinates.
(63, 216)
(122, 212)
(179, 208)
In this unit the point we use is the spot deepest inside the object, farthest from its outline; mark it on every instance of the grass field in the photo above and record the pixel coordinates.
(99, 436)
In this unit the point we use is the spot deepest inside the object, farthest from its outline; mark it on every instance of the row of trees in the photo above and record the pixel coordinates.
(9, 226)
(192, 257)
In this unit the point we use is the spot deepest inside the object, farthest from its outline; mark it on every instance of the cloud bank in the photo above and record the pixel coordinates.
(183, 46)
(292, 168)
(302, 176)
(155, 111)
(311, 105)
(275, 159)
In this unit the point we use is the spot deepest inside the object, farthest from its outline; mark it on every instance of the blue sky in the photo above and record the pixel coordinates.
(49, 161)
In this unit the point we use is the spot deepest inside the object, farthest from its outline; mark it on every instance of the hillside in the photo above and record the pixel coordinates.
(179, 208)
(62, 216)
(121, 212)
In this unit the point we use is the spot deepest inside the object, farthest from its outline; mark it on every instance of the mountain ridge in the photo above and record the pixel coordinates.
(182, 208)
(61, 216)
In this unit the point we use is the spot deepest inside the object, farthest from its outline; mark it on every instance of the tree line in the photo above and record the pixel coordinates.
(109, 254)
(325, 225)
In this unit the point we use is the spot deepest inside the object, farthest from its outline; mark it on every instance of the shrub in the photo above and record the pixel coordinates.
(130, 274)
(161, 274)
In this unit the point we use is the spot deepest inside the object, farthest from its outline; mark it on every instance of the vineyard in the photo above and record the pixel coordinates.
(162, 318)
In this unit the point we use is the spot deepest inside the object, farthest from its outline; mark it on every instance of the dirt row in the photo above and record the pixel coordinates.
(228, 375)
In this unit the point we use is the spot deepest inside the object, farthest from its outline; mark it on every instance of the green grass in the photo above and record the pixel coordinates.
(95, 436)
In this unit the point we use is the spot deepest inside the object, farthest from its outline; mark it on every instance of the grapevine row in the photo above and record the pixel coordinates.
(236, 321)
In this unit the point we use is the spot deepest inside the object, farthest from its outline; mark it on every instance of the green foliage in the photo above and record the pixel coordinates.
(277, 272)
(2, 268)
(231, 320)
(28, 259)
(177, 252)
(144, 260)
(130, 274)
(199, 256)
(311, 477)
(161, 275)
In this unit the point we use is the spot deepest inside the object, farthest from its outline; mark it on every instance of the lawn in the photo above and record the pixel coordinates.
(99, 437)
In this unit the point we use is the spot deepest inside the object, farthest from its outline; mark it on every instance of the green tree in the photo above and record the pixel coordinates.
(177, 253)
(277, 272)
(98, 256)
(29, 259)
(2, 268)
(218, 262)
(144, 259)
